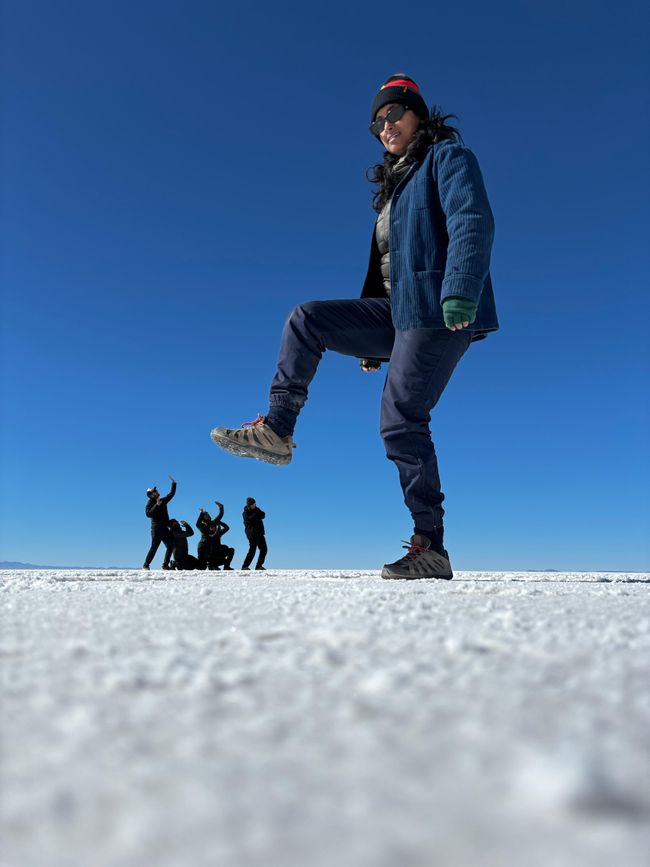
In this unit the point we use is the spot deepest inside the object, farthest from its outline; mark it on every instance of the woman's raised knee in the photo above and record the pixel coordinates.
(307, 310)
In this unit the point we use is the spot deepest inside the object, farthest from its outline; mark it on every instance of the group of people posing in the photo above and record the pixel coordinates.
(211, 551)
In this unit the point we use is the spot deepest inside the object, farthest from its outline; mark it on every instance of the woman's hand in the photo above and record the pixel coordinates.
(369, 364)
(458, 313)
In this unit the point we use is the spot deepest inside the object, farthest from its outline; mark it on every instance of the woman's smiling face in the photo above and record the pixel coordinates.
(397, 136)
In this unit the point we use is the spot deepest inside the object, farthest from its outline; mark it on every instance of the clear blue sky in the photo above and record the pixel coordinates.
(178, 175)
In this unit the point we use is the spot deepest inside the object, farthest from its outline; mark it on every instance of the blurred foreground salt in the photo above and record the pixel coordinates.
(326, 717)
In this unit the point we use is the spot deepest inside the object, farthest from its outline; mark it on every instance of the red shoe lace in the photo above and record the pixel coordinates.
(258, 421)
(412, 549)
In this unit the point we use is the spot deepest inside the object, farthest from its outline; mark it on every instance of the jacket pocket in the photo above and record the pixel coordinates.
(428, 286)
(431, 279)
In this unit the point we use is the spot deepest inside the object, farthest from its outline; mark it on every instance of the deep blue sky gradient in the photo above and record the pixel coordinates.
(178, 175)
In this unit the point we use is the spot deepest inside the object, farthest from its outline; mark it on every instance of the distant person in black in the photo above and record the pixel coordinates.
(220, 554)
(181, 531)
(204, 526)
(212, 553)
(254, 529)
(156, 509)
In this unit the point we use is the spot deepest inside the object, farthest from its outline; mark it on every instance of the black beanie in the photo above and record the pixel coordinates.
(400, 89)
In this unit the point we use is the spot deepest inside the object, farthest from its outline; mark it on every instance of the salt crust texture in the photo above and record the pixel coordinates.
(324, 718)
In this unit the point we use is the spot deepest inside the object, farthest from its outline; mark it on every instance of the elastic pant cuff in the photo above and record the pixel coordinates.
(282, 419)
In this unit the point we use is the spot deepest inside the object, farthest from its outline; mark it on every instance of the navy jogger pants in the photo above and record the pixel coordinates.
(421, 363)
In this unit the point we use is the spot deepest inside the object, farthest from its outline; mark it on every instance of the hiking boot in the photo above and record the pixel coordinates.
(421, 561)
(255, 439)
(146, 566)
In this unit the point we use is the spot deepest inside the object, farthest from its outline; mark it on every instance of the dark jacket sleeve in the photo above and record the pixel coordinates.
(220, 515)
(223, 527)
(170, 494)
(202, 525)
(188, 531)
(261, 513)
(148, 509)
(470, 224)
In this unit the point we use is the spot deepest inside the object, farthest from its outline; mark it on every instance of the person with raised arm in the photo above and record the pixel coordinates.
(156, 511)
(204, 526)
(211, 552)
(220, 555)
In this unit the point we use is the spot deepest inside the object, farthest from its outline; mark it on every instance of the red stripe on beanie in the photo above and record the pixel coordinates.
(401, 82)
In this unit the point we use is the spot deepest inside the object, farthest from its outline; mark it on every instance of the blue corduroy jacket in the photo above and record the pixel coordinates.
(441, 231)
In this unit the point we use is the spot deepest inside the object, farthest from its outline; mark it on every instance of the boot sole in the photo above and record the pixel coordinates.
(391, 576)
(249, 451)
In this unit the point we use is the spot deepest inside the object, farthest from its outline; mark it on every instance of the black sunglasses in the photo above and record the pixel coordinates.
(393, 114)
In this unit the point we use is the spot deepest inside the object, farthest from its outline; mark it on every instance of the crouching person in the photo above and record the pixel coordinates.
(181, 531)
(220, 554)
(212, 552)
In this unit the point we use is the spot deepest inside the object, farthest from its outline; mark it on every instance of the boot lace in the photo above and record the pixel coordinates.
(258, 421)
(412, 550)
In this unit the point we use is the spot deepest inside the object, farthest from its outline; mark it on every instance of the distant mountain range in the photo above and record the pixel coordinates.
(9, 564)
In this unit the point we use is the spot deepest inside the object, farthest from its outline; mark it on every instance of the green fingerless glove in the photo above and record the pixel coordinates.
(458, 310)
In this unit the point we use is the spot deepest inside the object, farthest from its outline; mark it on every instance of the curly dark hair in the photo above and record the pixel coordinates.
(431, 130)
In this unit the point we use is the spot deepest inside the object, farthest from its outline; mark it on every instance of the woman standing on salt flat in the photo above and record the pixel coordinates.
(426, 297)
